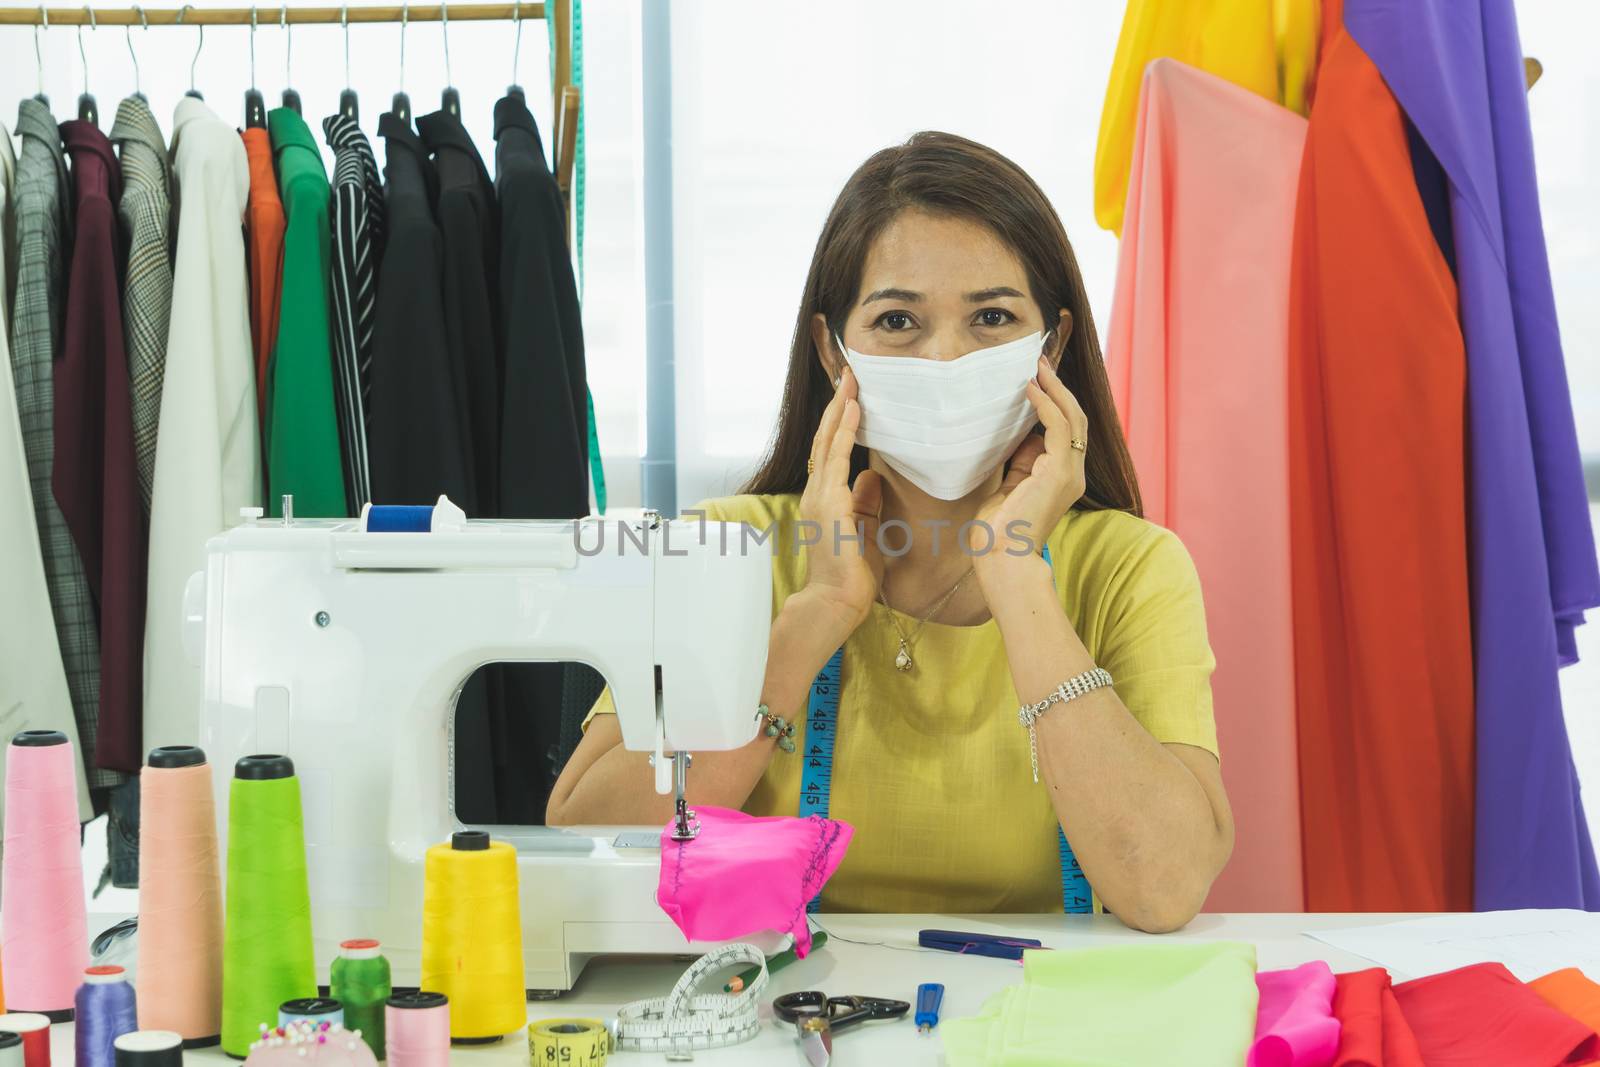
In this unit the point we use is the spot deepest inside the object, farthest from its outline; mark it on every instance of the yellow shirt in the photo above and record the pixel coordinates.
(931, 766)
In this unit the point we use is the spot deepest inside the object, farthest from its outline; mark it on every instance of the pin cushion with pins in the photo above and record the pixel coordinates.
(301, 1041)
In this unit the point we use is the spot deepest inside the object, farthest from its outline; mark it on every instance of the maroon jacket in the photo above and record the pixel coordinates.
(94, 480)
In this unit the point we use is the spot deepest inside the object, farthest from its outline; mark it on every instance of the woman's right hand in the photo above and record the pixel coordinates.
(841, 575)
(604, 784)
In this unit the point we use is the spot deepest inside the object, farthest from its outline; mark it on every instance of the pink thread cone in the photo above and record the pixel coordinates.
(44, 943)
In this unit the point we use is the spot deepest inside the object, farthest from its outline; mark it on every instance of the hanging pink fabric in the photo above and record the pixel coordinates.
(1295, 1025)
(745, 874)
(1197, 354)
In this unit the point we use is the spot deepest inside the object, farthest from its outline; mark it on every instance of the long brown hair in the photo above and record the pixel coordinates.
(948, 175)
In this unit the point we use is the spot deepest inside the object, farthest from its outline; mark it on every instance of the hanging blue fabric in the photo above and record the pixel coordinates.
(816, 775)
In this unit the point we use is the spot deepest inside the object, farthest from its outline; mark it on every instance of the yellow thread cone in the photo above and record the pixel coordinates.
(472, 935)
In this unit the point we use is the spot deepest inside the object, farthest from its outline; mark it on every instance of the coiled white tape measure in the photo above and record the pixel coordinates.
(683, 1022)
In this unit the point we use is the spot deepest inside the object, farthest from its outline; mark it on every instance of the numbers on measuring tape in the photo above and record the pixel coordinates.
(822, 722)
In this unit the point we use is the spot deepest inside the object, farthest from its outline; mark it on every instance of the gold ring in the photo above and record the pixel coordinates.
(1080, 444)
(811, 465)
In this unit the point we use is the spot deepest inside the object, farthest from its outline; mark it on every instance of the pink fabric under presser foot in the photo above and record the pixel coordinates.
(742, 874)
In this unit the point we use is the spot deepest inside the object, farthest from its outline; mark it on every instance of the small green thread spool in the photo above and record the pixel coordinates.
(266, 954)
(360, 978)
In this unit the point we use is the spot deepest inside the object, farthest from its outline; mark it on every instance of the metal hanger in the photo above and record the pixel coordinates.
(199, 47)
(255, 105)
(349, 106)
(291, 99)
(38, 57)
(88, 109)
(138, 82)
(400, 105)
(514, 90)
(449, 100)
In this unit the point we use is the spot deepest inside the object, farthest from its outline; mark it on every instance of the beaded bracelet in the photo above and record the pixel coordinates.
(777, 726)
(1071, 689)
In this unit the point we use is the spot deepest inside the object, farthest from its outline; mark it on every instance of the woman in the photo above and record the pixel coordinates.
(940, 251)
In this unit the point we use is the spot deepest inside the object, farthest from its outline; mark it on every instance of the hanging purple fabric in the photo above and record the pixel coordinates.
(1456, 68)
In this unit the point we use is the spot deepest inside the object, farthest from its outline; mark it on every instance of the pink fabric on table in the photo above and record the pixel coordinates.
(1198, 355)
(1295, 1024)
(744, 874)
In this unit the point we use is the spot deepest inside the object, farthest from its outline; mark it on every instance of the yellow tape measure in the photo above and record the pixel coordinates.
(568, 1042)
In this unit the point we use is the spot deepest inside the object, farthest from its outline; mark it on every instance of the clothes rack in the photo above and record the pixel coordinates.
(267, 16)
(565, 97)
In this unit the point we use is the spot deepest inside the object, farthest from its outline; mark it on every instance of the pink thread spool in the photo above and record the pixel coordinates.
(44, 943)
(418, 1029)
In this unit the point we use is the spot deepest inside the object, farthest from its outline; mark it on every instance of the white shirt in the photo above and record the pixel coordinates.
(33, 682)
(208, 452)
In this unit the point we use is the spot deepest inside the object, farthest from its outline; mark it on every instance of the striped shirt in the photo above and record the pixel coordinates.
(145, 211)
(356, 221)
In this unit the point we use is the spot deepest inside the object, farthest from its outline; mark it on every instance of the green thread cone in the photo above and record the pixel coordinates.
(361, 984)
(266, 954)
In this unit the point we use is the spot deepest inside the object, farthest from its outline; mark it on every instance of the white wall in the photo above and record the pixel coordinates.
(765, 135)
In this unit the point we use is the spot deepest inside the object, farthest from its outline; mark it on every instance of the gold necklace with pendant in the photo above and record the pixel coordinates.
(902, 658)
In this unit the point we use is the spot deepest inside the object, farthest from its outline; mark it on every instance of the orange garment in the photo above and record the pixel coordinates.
(1377, 394)
(1573, 993)
(264, 226)
(1197, 357)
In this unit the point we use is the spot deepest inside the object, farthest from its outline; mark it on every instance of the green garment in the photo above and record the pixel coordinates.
(303, 456)
(1147, 1004)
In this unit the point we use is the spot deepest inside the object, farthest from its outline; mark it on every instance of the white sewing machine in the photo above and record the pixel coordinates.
(346, 649)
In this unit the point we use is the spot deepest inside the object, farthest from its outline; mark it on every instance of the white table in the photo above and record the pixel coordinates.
(891, 967)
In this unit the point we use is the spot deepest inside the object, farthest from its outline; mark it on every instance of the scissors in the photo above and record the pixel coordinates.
(816, 1016)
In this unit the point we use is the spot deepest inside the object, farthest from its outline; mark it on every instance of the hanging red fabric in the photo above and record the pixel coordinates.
(1383, 653)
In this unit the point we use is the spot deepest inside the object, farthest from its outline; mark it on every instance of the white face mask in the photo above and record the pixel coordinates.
(947, 424)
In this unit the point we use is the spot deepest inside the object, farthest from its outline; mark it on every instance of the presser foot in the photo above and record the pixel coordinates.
(685, 827)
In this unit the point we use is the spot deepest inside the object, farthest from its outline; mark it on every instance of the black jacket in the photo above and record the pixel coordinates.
(419, 444)
(544, 432)
(469, 225)
(544, 442)
(420, 441)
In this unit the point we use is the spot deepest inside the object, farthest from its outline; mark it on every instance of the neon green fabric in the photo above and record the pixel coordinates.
(1141, 1005)
(303, 447)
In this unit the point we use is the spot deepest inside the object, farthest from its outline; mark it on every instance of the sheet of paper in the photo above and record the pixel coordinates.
(1530, 943)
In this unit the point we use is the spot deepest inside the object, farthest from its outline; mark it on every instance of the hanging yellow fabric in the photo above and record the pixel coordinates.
(1298, 27)
(1266, 46)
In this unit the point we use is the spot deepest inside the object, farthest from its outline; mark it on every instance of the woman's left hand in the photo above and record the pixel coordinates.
(1043, 479)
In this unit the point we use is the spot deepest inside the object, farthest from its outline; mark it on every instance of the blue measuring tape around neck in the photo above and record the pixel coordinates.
(816, 776)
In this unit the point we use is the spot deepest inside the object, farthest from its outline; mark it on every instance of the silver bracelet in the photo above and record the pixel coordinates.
(1071, 689)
